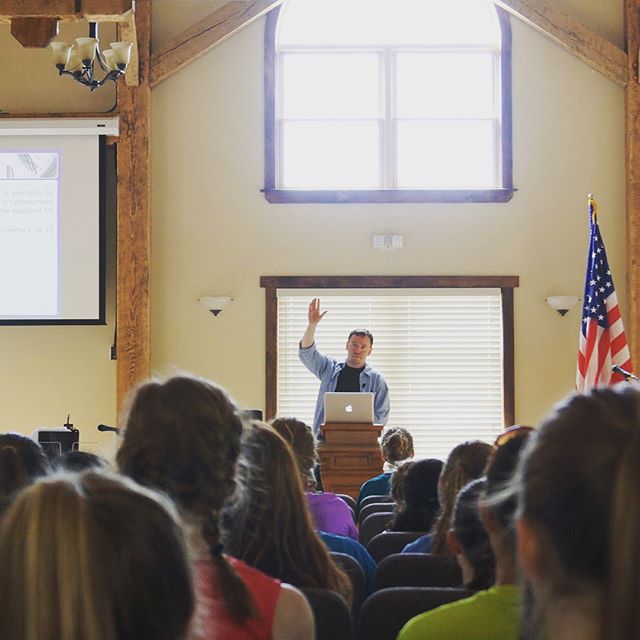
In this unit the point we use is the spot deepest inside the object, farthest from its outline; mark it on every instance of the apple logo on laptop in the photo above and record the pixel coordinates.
(349, 408)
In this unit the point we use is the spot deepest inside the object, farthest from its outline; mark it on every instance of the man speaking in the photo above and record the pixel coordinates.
(353, 374)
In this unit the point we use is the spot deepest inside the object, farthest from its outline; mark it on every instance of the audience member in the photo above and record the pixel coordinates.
(21, 461)
(79, 461)
(268, 524)
(466, 462)
(396, 446)
(417, 507)
(491, 614)
(579, 517)
(329, 512)
(300, 438)
(92, 556)
(182, 437)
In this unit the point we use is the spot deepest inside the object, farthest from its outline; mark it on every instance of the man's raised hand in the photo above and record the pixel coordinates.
(314, 312)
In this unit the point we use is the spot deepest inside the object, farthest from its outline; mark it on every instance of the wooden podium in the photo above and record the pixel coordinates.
(349, 455)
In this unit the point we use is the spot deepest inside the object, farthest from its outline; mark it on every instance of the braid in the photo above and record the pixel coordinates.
(183, 436)
(237, 597)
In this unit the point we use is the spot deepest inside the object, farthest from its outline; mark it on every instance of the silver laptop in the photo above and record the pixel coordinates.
(348, 407)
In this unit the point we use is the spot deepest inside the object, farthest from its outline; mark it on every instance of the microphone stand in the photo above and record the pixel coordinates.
(627, 375)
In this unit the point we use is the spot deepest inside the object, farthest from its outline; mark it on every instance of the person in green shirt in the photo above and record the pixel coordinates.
(482, 524)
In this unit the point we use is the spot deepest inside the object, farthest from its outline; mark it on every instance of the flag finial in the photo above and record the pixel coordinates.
(593, 209)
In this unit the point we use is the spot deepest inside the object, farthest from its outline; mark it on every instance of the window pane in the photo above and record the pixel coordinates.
(330, 155)
(389, 22)
(330, 86)
(446, 155)
(445, 85)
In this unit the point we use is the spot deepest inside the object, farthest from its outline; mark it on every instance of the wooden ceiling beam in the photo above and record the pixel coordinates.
(66, 10)
(206, 34)
(34, 32)
(596, 51)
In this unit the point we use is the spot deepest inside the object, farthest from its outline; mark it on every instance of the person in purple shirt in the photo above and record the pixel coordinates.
(329, 512)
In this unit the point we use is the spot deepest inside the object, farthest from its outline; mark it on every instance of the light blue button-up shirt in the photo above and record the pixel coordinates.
(328, 369)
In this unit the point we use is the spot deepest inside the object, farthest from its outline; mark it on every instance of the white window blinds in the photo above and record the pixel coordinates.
(439, 350)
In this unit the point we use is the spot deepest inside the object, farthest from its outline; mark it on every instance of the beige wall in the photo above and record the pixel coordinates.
(213, 232)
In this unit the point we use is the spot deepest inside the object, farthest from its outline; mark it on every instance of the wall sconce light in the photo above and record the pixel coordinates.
(215, 304)
(562, 304)
(78, 61)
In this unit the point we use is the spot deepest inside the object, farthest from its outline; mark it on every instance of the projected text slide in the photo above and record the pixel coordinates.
(29, 234)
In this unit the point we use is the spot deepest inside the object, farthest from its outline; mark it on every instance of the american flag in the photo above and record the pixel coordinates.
(602, 340)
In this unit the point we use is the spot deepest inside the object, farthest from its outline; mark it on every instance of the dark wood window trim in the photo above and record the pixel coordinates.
(300, 196)
(506, 284)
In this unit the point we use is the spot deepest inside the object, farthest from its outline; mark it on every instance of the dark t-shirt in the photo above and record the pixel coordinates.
(349, 379)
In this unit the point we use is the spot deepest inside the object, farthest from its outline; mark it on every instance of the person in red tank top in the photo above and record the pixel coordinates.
(182, 436)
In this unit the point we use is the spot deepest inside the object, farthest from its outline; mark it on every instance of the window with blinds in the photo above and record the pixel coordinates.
(441, 352)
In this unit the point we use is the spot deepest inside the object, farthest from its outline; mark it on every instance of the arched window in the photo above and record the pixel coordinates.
(388, 101)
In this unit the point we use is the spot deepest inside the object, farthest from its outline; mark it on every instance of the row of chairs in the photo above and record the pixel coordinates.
(401, 570)
(383, 613)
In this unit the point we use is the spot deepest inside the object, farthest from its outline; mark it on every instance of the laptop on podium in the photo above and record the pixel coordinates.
(348, 407)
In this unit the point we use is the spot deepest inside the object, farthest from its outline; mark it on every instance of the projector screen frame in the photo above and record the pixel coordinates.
(101, 319)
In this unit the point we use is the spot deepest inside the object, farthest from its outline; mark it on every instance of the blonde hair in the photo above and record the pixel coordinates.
(92, 556)
(465, 463)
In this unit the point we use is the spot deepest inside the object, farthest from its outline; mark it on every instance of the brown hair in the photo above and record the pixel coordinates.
(269, 525)
(580, 491)
(182, 436)
(466, 462)
(396, 444)
(418, 484)
(361, 333)
(92, 556)
(299, 436)
(21, 461)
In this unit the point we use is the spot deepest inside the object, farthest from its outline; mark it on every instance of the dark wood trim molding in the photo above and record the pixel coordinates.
(271, 284)
(271, 360)
(388, 282)
(508, 355)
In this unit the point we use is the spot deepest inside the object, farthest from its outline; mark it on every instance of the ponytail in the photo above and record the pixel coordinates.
(235, 593)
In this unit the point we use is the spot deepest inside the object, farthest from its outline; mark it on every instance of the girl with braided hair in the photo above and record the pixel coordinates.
(182, 436)
(396, 447)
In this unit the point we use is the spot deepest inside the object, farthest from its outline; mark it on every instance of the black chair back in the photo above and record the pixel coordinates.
(373, 525)
(348, 499)
(388, 542)
(418, 570)
(385, 612)
(375, 507)
(331, 614)
(375, 498)
(358, 582)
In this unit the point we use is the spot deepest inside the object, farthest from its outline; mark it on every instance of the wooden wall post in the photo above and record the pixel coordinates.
(134, 195)
(632, 171)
